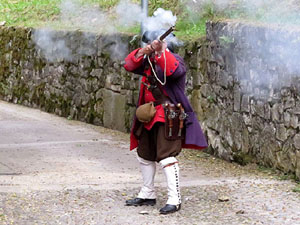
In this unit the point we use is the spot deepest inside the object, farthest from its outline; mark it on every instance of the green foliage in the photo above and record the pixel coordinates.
(211, 99)
(189, 30)
(104, 4)
(28, 13)
(37, 13)
(190, 23)
(296, 189)
(176, 6)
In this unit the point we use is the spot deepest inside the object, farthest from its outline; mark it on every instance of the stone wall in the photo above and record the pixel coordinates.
(249, 93)
(232, 81)
(88, 84)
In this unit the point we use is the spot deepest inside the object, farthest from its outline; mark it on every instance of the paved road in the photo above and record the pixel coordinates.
(56, 171)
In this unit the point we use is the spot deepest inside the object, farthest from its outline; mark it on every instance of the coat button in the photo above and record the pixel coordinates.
(171, 71)
(175, 64)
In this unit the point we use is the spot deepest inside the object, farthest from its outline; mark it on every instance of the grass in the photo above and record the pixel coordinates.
(296, 189)
(189, 30)
(39, 13)
(28, 13)
(190, 22)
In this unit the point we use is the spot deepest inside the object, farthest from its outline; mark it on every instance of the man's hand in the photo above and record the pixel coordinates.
(159, 46)
(156, 46)
(147, 50)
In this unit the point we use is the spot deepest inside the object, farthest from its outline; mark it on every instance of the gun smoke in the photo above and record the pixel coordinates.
(272, 11)
(92, 20)
(272, 42)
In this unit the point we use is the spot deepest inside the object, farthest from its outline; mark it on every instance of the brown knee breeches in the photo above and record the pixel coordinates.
(153, 145)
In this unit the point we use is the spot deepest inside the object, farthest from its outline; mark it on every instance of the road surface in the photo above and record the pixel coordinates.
(59, 171)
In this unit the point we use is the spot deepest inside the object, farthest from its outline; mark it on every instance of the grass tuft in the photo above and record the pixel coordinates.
(296, 189)
(38, 13)
(28, 13)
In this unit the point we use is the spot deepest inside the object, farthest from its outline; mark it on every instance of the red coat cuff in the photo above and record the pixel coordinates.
(131, 63)
(171, 62)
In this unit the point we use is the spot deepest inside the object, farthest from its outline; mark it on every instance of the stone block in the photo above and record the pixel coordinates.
(289, 103)
(97, 73)
(245, 141)
(213, 117)
(237, 126)
(218, 148)
(135, 96)
(297, 142)
(98, 108)
(294, 121)
(196, 100)
(129, 98)
(205, 90)
(267, 110)
(114, 110)
(287, 119)
(258, 109)
(281, 132)
(85, 98)
(222, 79)
(247, 118)
(276, 112)
(236, 99)
(197, 77)
(245, 104)
(116, 88)
(286, 158)
(298, 164)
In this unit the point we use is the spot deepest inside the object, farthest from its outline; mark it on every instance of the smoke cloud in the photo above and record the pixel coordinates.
(75, 16)
(52, 47)
(128, 14)
(271, 49)
(91, 20)
(277, 11)
(161, 19)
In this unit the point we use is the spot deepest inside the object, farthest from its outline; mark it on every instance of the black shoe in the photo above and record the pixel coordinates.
(169, 209)
(140, 201)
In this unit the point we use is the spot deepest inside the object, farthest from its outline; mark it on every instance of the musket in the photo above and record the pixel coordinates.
(164, 35)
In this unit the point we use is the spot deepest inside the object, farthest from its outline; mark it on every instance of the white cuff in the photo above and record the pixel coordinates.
(168, 161)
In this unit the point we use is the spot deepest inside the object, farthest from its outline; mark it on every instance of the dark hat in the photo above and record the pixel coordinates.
(149, 36)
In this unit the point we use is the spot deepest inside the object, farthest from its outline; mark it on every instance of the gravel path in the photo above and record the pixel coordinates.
(56, 171)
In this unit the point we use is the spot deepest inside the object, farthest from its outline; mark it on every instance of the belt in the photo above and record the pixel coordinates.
(160, 102)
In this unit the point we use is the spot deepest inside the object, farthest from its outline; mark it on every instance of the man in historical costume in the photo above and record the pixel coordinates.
(163, 83)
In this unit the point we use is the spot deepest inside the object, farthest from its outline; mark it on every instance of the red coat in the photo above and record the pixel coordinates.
(175, 72)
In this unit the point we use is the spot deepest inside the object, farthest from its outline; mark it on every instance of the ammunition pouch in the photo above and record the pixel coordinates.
(145, 113)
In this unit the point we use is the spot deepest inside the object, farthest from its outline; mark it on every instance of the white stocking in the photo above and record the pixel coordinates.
(171, 170)
(148, 169)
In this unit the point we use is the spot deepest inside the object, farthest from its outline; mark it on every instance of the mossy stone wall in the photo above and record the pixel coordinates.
(260, 123)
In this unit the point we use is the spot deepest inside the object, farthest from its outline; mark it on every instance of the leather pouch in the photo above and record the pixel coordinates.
(145, 113)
